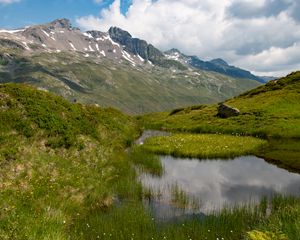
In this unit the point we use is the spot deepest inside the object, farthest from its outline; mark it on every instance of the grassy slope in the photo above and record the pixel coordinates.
(59, 161)
(64, 175)
(120, 85)
(272, 110)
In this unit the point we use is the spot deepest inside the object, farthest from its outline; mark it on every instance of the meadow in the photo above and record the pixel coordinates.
(269, 111)
(204, 146)
(65, 174)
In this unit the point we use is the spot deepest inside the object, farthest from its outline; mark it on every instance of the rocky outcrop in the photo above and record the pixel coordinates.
(61, 23)
(135, 45)
(226, 111)
(10, 44)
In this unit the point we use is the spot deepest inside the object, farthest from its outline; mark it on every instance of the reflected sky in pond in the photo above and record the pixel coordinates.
(215, 183)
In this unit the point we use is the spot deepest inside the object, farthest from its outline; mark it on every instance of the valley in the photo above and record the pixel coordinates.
(110, 69)
(103, 136)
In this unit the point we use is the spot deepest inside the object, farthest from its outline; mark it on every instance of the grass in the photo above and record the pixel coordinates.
(65, 174)
(283, 152)
(146, 161)
(204, 145)
(59, 161)
(270, 111)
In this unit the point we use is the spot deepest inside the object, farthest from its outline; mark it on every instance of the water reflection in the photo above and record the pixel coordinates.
(216, 183)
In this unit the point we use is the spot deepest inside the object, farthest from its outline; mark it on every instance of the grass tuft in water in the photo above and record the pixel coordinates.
(147, 161)
(204, 145)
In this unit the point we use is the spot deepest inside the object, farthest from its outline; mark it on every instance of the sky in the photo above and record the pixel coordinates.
(262, 36)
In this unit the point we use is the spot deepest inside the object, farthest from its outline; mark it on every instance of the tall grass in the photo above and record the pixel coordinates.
(147, 161)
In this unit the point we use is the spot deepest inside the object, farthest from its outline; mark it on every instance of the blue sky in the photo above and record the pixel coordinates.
(262, 36)
(27, 12)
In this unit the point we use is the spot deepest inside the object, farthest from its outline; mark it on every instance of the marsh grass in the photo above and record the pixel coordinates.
(179, 197)
(204, 145)
(148, 162)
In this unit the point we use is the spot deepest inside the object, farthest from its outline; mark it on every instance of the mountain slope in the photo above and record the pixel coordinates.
(215, 65)
(108, 69)
(272, 110)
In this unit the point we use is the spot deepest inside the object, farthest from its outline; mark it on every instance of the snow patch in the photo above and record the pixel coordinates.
(103, 53)
(97, 47)
(91, 49)
(112, 42)
(62, 31)
(86, 55)
(11, 31)
(114, 51)
(128, 57)
(44, 45)
(142, 59)
(26, 46)
(58, 51)
(88, 35)
(72, 46)
(47, 34)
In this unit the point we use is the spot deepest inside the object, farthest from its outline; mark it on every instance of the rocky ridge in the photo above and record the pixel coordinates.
(115, 44)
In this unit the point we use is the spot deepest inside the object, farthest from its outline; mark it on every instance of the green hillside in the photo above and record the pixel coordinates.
(269, 111)
(58, 162)
(66, 173)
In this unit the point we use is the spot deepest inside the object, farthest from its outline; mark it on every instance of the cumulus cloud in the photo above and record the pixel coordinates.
(260, 35)
(5, 2)
(253, 9)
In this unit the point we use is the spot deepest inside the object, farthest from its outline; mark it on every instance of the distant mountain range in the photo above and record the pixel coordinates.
(114, 69)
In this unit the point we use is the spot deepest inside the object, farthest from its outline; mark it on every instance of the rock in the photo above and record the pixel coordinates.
(226, 111)
(135, 45)
(96, 34)
(61, 23)
(10, 44)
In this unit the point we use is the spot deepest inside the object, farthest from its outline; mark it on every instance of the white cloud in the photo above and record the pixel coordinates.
(8, 1)
(208, 29)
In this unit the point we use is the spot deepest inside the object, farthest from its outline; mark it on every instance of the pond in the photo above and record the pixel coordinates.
(198, 187)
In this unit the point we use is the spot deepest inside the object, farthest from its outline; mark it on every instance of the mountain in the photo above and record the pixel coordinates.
(215, 65)
(268, 78)
(109, 69)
